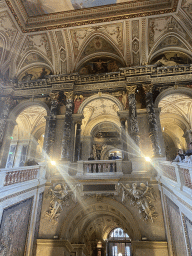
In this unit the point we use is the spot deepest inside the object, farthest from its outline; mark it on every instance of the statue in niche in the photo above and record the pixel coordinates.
(59, 194)
(142, 197)
(77, 102)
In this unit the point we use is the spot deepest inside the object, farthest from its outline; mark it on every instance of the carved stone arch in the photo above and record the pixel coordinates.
(105, 37)
(25, 104)
(179, 120)
(97, 127)
(153, 51)
(38, 53)
(163, 94)
(82, 216)
(5, 45)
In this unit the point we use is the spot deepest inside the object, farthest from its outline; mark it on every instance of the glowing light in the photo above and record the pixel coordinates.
(53, 162)
(148, 159)
(120, 254)
(11, 138)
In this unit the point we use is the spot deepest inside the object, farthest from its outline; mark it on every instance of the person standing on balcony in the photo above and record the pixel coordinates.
(91, 158)
(189, 151)
(180, 156)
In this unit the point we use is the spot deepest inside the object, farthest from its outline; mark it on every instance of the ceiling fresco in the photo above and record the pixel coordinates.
(34, 8)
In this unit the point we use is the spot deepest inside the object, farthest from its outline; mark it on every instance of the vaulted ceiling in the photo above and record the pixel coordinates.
(36, 38)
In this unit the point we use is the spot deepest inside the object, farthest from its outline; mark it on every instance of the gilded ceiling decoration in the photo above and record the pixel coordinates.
(50, 15)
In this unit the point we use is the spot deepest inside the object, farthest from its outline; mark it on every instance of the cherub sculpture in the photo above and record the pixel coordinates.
(59, 194)
(142, 197)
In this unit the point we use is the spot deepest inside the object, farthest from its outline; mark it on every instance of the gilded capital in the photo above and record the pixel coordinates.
(131, 89)
(69, 95)
(148, 88)
(53, 95)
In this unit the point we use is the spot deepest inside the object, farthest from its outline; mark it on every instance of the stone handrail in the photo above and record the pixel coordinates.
(100, 166)
(178, 174)
(19, 175)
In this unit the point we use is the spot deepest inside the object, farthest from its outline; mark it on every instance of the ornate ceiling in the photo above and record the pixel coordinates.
(129, 33)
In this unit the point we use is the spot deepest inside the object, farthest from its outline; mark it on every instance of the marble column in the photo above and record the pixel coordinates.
(133, 126)
(77, 118)
(51, 128)
(152, 120)
(66, 152)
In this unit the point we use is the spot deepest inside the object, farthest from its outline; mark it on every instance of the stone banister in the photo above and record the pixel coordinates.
(19, 175)
(178, 175)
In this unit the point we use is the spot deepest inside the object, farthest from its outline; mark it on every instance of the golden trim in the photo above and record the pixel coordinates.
(89, 16)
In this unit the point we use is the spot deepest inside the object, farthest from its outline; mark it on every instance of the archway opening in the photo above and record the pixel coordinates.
(118, 243)
(28, 137)
(176, 121)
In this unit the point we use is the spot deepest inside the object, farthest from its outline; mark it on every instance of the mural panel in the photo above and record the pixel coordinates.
(14, 228)
(35, 8)
(100, 65)
(34, 73)
(171, 59)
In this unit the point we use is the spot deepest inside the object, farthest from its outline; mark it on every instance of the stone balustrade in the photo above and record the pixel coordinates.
(96, 167)
(178, 175)
(67, 80)
(19, 175)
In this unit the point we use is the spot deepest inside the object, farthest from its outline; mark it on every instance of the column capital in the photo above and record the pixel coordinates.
(131, 89)
(53, 96)
(69, 95)
(148, 88)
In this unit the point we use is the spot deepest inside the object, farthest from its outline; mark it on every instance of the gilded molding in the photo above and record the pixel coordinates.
(90, 15)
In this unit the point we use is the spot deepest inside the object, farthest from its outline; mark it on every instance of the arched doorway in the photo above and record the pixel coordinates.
(118, 243)
(101, 127)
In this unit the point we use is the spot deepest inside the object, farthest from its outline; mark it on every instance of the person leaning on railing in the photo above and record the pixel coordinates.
(180, 156)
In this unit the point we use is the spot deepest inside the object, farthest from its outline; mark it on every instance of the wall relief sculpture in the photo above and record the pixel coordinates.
(59, 195)
(142, 197)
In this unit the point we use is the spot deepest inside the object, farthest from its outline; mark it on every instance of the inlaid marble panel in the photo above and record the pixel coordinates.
(14, 228)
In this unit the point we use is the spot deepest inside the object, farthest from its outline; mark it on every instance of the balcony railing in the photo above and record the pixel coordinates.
(19, 175)
(100, 167)
(177, 175)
